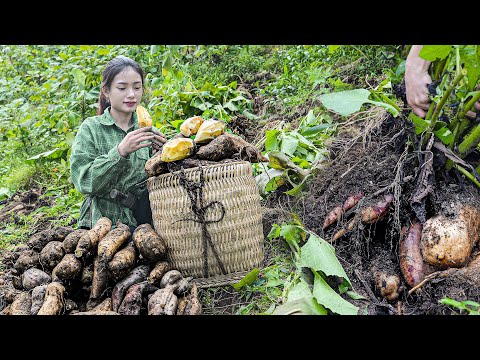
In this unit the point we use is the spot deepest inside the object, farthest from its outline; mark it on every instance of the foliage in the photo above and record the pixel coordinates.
(466, 307)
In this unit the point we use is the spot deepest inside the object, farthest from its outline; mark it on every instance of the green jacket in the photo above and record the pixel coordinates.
(96, 168)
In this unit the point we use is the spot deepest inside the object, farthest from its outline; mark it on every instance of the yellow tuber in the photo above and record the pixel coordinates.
(177, 149)
(144, 118)
(209, 130)
(190, 126)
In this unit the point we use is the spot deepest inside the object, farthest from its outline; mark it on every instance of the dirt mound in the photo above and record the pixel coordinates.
(377, 157)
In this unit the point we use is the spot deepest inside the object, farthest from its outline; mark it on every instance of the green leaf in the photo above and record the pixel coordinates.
(300, 302)
(289, 144)
(472, 65)
(333, 48)
(313, 130)
(247, 279)
(265, 177)
(327, 297)
(420, 124)
(434, 52)
(319, 255)
(345, 102)
(79, 77)
(167, 63)
(445, 135)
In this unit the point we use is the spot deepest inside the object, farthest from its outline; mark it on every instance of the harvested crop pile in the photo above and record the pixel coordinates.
(102, 271)
(402, 257)
(211, 144)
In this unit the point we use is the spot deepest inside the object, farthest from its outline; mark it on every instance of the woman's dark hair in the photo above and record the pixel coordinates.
(114, 66)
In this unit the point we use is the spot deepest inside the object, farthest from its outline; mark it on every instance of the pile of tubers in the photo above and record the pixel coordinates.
(204, 142)
(426, 250)
(105, 270)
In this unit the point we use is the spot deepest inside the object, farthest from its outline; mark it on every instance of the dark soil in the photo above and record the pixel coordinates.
(373, 157)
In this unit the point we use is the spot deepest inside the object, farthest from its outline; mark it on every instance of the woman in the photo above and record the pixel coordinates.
(110, 150)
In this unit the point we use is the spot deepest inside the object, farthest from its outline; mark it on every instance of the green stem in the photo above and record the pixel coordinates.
(470, 104)
(440, 106)
(471, 141)
(430, 110)
(465, 109)
(467, 174)
(388, 101)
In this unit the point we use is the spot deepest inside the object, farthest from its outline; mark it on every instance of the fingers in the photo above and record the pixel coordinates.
(477, 106)
(419, 111)
(471, 115)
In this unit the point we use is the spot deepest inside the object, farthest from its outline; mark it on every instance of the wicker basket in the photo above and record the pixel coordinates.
(237, 237)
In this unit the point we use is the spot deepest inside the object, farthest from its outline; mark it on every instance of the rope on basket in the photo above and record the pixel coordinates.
(195, 193)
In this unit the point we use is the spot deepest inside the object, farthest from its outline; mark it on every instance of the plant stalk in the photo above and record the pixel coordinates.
(440, 105)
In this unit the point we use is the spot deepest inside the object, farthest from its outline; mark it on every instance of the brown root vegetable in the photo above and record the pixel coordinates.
(132, 302)
(448, 242)
(160, 269)
(374, 213)
(86, 276)
(104, 312)
(8, 292)
(8, 259)
(26, 260)
(99, 280)
(71, 240)
(33, 277)
(91, 238)
(108, 246)
(22, 304)
(38, 241)
(193, 305)
(122, 262)
(334, 215)
(68, 268)
(149, 243)
(171, 277)
(351, 201)
(70, 306)
(228, 145)
(183, 286)
(16, 278)
(410, 256)
(137, 275)
(105, 305)
(6, 310)
(182, 304)
(350, 226)
(388, 285)
(51, 254)
(53, 303)
(163, 302)
(38, 297)
(219, 148)
(155, 165)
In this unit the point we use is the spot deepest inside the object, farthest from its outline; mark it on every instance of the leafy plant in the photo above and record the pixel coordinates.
(314, 294)
(467, 306)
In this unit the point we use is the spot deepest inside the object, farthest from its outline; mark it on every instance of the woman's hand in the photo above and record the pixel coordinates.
(141, 138)
(158, 141)
(417, 79)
